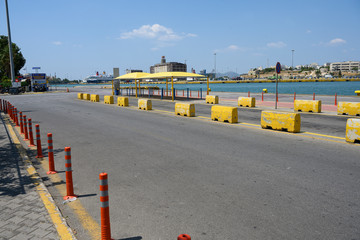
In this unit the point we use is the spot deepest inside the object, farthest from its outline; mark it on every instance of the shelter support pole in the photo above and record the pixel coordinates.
(172, 88)
(207, 84)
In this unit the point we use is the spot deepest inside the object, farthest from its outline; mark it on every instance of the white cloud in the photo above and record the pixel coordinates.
(57, 43)
(157, 32)
(279, 44)
(336, 42)
(233, 48)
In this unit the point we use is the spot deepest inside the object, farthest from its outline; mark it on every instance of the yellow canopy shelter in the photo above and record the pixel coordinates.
(173, 75)
(133, 76)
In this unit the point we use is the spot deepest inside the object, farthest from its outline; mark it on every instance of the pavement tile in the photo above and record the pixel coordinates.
(7, 234)
(21, 236)
(16, 220)
(40, 232)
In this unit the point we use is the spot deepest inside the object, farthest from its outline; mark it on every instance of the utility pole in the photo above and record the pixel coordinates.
(10, 46)
(215, 66)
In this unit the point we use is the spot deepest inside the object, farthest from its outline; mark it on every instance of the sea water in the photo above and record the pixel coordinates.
(319, 88)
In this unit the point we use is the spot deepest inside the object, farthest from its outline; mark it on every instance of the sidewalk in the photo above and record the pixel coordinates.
(22, 212)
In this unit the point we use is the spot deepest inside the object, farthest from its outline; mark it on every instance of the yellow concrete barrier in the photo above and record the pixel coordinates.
(212, 99)
(246, 102)
(349, 108)
(265, 90)
(109, 99)
(307, 105)
(357, 92)
(353, 130)
(123, 101)
(224, 114)
(144, 104)
(80, 95)
(282, 121)
(86, 96)
(185, 109)
(95, 98)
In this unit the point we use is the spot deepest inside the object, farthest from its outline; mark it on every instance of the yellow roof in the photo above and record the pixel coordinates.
(172, 74)
(134, 75)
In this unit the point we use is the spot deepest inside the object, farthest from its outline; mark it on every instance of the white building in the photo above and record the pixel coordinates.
(344, 66)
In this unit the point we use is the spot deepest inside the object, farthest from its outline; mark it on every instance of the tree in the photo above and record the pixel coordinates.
(19, 60)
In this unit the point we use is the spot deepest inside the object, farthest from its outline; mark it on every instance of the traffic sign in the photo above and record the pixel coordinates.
(278, 67)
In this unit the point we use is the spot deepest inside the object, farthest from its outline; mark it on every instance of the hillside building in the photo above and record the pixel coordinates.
(344, 66)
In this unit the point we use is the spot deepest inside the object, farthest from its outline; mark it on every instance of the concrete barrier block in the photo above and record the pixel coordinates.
(109, 99)
(282, 121)
(212, 99)
(80, 95)
(307, 105)
(185, 109)
(123, 101)
(349, 108)
(86, 96)
(95, 98)
(145, 104)
(224, 114)
(353, 130)
(246, 102)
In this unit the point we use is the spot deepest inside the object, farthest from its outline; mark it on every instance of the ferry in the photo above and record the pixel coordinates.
(98, 78)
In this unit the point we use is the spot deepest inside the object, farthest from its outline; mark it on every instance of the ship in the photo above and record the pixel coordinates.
(98, 78)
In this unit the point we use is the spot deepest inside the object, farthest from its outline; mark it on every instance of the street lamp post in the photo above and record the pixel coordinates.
(10, 46)
(292, 59)
(215, 66)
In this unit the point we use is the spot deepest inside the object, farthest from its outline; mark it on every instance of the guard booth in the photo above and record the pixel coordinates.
(38, 82)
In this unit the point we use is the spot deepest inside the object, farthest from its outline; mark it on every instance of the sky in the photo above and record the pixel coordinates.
(75, 38)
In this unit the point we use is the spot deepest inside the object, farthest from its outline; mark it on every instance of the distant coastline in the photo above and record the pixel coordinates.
(256, 81)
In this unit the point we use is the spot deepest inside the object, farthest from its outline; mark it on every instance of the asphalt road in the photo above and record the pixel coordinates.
(170, 174)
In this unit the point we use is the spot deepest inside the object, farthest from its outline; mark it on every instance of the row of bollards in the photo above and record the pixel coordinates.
(25, 126)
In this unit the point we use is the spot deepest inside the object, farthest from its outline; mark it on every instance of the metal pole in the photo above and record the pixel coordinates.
(215, 67)
(10, 46)
(207, 85)
(276, 97)
(292, 60)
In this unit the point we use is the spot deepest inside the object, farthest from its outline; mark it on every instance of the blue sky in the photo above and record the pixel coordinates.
(76, 38)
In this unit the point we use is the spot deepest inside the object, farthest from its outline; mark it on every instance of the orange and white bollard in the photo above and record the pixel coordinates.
(51, 155)
(313, 96)
(31, 136)
(38, 142)
(248, 93)
(262, 96)
(183, 237)
(26, 136)
(294, 96)
(335, 99)
(16, 118)
(69, 181)
(21, 123)
(104, 209)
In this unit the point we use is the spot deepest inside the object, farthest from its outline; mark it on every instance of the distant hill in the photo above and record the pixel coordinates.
(229, 74)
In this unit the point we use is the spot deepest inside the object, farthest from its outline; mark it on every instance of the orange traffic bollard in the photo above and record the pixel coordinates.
(184, 237)
(313, 96)
(16, 118)
(69, 181)
(31, 136)
(262, 96)
(104, 209)
(38, 141)
(51, 155)
(335, 99)
(26, 137)
(21, 123)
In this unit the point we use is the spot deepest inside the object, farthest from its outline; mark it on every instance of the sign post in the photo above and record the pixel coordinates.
(278, 70)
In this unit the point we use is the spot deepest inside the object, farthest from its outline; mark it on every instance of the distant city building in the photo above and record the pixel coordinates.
(345, 66)
(168, 66)
(132, 71)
